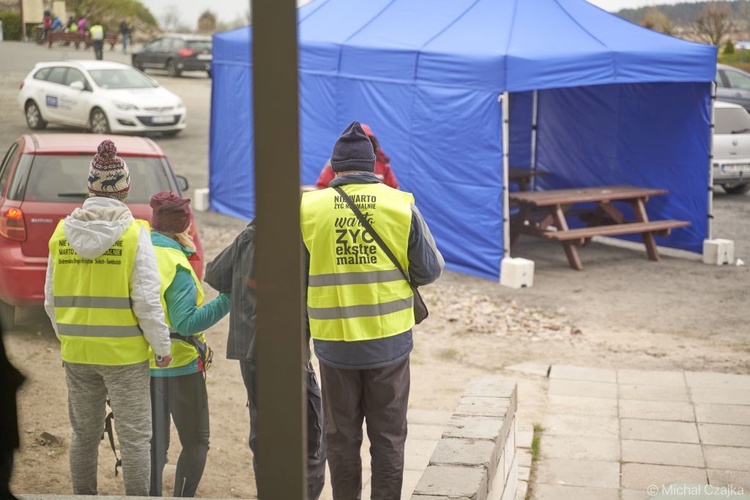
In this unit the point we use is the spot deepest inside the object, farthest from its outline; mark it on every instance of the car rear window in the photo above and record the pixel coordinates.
(126, 78)
(731, 121)
(63, 178)
(199, 45)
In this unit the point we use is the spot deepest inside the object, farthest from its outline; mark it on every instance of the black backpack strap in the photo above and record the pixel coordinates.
(363, 220)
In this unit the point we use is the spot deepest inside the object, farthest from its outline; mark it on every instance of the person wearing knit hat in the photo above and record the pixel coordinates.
(108, 173)
(382, 169)
(102, 296)
(179, 391)
(353, 151)
(360, 309)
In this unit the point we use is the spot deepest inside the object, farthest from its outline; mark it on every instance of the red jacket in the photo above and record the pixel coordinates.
(382, 170)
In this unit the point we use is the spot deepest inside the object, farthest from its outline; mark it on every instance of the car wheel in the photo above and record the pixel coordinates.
(7, 316)
(171, 133)
(98, 122)
(172, 68)
(34, 117)
(137, 64)
(736, 188)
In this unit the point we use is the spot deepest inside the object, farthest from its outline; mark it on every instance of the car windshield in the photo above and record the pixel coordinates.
(732, 121)
(125, 78)
(62, 178)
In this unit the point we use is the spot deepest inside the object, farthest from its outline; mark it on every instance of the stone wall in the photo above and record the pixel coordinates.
(476, 457)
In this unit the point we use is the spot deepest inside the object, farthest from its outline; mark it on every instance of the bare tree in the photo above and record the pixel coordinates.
(655, 19)
(171, 18)
(715, 23)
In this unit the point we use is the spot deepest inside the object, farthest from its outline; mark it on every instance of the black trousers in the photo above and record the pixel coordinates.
(98, 49)
(186, 400)
(316, 445)
(380, 396)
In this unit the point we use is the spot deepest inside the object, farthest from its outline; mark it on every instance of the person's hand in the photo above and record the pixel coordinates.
(163, 361)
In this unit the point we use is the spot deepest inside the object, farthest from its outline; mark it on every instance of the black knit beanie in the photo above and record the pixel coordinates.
(353, 151)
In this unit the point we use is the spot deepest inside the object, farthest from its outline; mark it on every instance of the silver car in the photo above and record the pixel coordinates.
(731, 149)
(733, 85)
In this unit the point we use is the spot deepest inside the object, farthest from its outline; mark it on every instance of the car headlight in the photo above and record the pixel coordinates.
(180, 104)
(125, 106)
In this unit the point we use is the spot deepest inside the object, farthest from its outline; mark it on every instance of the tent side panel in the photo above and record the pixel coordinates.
(318, 126)
(454, 170)
(651, 135)
(231, 150)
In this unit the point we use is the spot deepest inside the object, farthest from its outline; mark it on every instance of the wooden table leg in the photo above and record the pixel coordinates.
(648, 238)
(570, 248)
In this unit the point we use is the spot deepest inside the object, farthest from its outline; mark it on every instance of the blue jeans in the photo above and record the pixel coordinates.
(124, 43)
(316, 444)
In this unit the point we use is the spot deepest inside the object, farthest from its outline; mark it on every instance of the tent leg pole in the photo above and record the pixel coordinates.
(505, 105)
(534, 121)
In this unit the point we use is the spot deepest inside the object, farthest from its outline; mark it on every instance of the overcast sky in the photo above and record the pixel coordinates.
(229, 10)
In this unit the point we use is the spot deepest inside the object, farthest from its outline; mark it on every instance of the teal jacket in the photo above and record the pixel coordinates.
(187, 319)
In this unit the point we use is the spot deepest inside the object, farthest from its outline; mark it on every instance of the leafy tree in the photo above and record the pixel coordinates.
(655, 19)
(110, 12)
(714, 23)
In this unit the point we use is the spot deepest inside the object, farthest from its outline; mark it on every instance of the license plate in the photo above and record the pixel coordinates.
(734, 169)
(204, 57)
(162, 119)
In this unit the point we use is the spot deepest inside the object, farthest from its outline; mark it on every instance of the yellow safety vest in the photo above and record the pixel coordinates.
(97, 32)
(94, 317)
(354, 291)
(168, 260)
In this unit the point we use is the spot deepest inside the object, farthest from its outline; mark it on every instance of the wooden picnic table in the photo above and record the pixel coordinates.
(545, 214)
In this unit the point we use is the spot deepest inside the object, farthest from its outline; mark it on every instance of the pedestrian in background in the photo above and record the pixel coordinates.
(97, 40)
(232, 271)
(82, 25)
(383, 170)
(360, 310)
(102, 295)
(179, 391)
(125, 34)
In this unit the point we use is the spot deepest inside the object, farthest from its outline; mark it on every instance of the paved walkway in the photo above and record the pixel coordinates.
(623, 434)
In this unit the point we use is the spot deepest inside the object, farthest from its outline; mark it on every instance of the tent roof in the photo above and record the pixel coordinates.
(499, 45)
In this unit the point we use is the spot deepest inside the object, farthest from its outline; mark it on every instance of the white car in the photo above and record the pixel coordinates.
(102, 96)
(731, 149)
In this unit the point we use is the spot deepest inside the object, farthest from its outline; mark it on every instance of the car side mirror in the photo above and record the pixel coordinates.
(182, 182)
(77, 85)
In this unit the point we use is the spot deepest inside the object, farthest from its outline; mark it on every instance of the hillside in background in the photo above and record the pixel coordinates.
(683, 14)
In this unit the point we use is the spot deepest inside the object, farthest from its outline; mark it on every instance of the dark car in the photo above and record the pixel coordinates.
(176, 53)
(733, 85)
(42, 180)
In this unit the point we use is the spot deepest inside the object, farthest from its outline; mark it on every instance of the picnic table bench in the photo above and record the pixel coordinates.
(77, 39)
(545, 214)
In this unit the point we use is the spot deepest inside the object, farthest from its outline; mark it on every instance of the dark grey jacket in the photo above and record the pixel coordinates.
(425, 266)
(232, 272)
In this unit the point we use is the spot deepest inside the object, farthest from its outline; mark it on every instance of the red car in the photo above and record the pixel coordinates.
(42, 179)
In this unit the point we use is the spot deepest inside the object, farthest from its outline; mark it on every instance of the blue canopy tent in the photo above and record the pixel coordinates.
(612, 103)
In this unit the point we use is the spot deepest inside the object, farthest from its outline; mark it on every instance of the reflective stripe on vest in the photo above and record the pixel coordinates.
(93, 312)
(168, 260)
(354, 290)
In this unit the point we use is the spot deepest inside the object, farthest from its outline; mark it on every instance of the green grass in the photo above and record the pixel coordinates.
(535, 449)
(536, 442)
